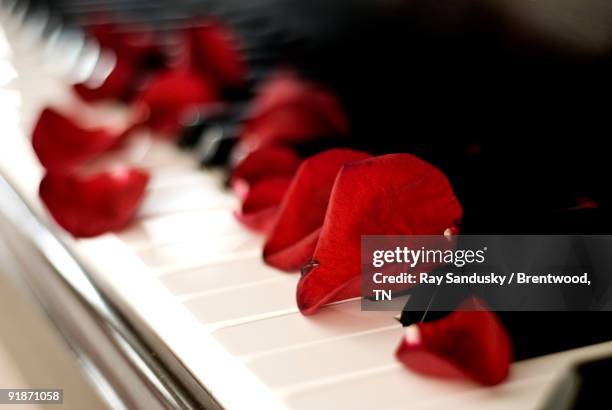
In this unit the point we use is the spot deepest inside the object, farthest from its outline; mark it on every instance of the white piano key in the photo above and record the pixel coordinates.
(124, 278)
(245, 304)
(181, 227)
(184, 198)
(337, 357)
(181, 177)
(222, 275)
(166, 155)
(522, 394)
(88, 60)
(207, 250)
(333, 322)
(390, 386)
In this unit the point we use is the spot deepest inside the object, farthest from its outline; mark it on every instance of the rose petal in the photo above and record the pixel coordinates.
(118, 84)
(136, 50)
(92, 205)
(260, 206)
(171, 95)
(62, 145)
(470, 342)
(289, 109)
(287, 88)
(397, 194)
(264, 163)
(136, 42)
(293, 238)
(289, 125)
(215, 51)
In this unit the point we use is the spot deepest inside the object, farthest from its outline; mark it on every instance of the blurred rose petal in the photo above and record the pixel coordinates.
(136, 42)
(260, 206)
(214, 51)
(91, 205)
(290, 110)
(117, 85)
(62, 145)
(264, 163)
(171, 95)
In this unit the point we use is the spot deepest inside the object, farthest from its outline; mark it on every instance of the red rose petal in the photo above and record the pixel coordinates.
(264, 163)
(397, 194)
(287, 88)
(215, 51)
(293, 238)
(136, 42)
(289, 124)
(134, 49)
(172, 94)
(470, 342)
(289, 109)
(92, 205)
(62, 145)
(260, 206)
(118, 84)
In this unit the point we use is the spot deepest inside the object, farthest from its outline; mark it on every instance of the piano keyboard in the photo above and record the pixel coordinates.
(188, 275)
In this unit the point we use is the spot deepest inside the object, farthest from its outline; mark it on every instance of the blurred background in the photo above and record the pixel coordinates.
(507, 98)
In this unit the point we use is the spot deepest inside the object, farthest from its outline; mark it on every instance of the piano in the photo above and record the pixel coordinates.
(178, 310)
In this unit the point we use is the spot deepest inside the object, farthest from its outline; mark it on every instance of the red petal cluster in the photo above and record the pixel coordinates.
(84, 205)
(90, 205)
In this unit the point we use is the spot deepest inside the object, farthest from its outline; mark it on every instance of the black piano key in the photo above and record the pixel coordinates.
(216, 145)
(197, 124)
(584, 386)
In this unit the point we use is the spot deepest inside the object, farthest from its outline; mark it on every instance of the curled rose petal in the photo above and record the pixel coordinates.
(289, 109)
(469, 342)
(397, 194)
(260, 206)
(293, 238)
(62, 145)
(171, 95)
(92, 205)
(214, 51)
(264, 163)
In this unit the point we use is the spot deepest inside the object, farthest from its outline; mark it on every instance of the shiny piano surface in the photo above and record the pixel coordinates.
(188, 308)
